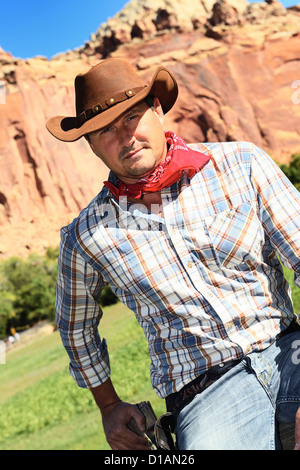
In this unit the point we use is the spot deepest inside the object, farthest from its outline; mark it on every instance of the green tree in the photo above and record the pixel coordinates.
(107, 297)
(6, 311)
(27, 290)
(292, 170)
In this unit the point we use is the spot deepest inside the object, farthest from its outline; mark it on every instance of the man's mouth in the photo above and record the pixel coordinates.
(131, 154)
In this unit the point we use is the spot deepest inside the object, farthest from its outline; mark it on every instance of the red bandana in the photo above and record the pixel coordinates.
(179, 158)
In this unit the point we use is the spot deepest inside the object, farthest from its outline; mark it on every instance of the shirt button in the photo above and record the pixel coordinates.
(190, 264)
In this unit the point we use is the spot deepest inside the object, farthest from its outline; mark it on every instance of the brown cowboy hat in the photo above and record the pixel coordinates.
(105, 92)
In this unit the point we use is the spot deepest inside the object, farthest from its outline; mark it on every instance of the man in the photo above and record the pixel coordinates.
(188, 237)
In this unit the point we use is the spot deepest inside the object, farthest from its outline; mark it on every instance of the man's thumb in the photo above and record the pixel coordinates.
(138, 421)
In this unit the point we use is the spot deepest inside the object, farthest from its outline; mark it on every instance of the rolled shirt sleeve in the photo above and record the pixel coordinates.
(78, 315)
(279, 203)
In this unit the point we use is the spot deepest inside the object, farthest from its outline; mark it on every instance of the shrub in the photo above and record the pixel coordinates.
(292, 171)
(107, 297)
(27, 291)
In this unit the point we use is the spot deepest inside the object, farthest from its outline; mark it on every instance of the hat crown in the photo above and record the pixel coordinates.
(102, 83)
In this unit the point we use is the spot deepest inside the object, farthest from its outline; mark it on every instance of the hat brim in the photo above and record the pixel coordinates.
(163, 86)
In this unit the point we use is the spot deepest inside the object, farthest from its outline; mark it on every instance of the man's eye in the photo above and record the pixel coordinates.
(106, 131)
(131, 118)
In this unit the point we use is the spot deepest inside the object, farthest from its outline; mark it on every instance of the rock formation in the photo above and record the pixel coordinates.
(238, 70)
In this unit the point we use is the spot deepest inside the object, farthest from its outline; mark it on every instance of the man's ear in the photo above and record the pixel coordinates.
(87, 138)
(158, 109)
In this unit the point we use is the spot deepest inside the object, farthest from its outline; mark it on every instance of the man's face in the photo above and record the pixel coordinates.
(133, 145)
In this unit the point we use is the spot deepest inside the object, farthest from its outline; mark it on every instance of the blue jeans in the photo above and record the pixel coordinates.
(241, 410)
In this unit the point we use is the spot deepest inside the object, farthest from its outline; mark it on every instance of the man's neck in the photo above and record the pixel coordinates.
(152, 201)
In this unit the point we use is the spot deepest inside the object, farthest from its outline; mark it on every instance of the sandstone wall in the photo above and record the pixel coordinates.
(235, 64)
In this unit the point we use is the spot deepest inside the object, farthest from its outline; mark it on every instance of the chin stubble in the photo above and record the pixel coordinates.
(132, 171)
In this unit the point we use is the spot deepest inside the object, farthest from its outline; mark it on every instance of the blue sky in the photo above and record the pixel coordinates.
(44, 27)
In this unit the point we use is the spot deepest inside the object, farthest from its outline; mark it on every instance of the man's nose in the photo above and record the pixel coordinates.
(126, 138)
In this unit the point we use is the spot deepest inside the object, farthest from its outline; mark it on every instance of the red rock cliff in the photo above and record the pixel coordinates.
(236, 65)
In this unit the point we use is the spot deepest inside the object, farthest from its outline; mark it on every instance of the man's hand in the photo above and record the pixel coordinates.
(297, 431)
(115, 418)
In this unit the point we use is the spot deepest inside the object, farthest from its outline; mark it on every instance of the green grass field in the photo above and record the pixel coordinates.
(41, 407)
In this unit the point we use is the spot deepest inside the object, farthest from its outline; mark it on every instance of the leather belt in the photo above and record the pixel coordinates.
(178, 400)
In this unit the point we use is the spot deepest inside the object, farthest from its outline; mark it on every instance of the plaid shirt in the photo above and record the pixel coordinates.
(204, 281)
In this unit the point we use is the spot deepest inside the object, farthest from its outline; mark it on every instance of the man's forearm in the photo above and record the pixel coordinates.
(105, 395)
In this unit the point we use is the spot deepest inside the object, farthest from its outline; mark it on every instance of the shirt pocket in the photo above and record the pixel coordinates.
(236, 236)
